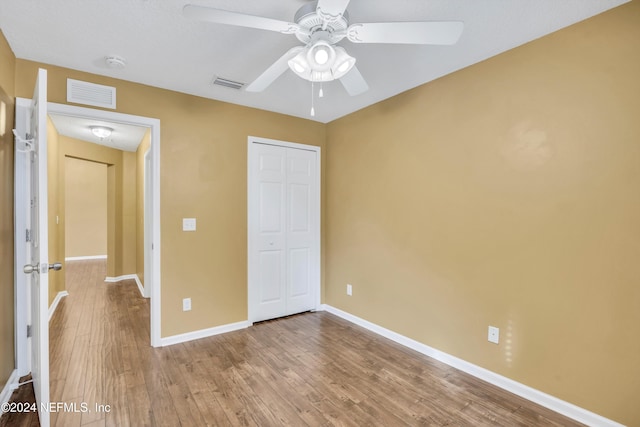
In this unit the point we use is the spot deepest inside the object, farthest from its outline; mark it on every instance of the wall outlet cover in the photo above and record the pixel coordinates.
(494, 335)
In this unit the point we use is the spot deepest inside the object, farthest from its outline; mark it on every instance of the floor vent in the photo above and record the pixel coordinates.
(86, 93)
(227, 83)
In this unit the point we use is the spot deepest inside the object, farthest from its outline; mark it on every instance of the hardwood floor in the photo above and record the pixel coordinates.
(312, 369)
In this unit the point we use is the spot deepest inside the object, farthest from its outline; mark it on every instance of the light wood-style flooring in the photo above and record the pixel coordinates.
(312, 369)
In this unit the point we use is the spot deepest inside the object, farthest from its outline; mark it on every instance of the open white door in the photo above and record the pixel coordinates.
(37, 248)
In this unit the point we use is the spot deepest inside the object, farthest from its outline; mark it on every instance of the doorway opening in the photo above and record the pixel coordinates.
(150, 225)
(147, 226)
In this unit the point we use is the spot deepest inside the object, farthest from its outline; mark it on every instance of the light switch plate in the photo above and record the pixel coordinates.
(188, 224)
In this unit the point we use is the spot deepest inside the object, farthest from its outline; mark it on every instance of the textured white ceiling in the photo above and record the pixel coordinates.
(124, 137)
(164, 49)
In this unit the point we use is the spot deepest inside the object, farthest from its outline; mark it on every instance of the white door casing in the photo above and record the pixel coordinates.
(283, 228)
(148, 223)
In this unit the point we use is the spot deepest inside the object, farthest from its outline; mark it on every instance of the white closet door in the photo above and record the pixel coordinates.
(300, 230)
(284, 213)
(270, 233)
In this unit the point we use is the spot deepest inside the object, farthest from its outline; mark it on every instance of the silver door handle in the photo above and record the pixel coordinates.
(28, 269)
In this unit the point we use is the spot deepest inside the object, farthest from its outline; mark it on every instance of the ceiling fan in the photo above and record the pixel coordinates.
(320, 25)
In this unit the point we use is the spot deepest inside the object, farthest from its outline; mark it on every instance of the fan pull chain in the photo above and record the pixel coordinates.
(321, 92)
(313, 111)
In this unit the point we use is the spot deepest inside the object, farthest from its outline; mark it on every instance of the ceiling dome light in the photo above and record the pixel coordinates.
(101, 132)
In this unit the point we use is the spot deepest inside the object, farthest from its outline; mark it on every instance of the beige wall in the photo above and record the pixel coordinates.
(121, 250)
(203, 174)
(85, 208)
(140, 152)
(55, 176)
(7, 67)
(7, 346)
(506, 194)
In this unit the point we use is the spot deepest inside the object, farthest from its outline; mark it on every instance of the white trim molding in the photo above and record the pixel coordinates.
(204, 333)
(127, 277)
(8, 388)
(140, 287)
(82, 258)
(56, 301)
(560, 406)
(109, 279)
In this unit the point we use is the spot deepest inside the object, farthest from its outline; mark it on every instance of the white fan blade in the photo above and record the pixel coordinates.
(238, 19)
(353, 82)
(274, 71)
(439, 33)
(331, 10)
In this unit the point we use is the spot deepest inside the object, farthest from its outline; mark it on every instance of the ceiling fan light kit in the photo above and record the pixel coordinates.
(321, 62)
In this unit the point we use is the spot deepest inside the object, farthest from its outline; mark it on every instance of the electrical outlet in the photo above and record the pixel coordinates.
(186, 304)
(494, 334)
(349, 290)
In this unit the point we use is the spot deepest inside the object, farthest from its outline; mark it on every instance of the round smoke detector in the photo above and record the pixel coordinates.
(115, 62)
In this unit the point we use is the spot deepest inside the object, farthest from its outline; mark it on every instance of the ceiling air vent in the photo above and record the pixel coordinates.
(227, 83)
(86, 93)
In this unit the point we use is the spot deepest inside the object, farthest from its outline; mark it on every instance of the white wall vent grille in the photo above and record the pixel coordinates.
(86, 93)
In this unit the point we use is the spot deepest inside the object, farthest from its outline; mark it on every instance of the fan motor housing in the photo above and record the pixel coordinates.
(307, 17)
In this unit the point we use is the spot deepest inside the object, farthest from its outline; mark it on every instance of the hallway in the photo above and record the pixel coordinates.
(99, 349)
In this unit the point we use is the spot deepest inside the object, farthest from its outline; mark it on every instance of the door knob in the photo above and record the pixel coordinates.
(28, 269)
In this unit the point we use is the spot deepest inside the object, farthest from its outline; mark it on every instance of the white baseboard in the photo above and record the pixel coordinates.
(120, 278)
(140, 287)
(203, 333)
(81, 258)
(8, 388)
(127, 277)
(56, 301)
(565, 408)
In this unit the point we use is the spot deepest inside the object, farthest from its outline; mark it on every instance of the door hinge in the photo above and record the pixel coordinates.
(28, 235)
(29, 331)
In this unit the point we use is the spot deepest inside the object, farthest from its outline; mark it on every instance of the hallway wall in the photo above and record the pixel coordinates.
(85, 208)
(7, 328)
